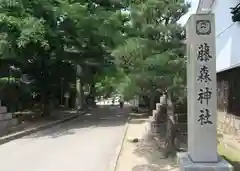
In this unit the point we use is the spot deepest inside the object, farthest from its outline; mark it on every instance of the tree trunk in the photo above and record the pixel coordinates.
(152, 102)
(45, 104)
(82, 95)
(92, 95)
(79, 94)
(45, 90)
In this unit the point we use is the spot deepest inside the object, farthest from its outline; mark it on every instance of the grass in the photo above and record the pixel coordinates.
(231, 155)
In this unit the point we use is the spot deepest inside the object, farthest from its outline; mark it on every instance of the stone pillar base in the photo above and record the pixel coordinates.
(186, 164)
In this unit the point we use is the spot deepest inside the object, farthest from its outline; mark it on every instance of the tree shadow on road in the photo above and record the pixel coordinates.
(153, 151)
(99, 117)
(154, 154)
(137, 118)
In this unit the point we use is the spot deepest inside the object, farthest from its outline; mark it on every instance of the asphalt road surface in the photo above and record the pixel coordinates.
(87, 143)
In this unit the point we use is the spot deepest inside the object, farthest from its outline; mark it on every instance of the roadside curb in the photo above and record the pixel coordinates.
(113, 164)
(20, 134)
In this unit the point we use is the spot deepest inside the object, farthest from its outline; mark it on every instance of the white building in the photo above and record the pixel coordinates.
(227, 31)
(227, 35)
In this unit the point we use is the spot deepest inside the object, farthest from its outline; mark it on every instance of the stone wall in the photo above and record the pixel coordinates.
(6, 120)
(229, 123)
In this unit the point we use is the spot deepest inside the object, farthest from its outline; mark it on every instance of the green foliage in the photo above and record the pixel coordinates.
(128, 48)
(152, 55)
(46, 39)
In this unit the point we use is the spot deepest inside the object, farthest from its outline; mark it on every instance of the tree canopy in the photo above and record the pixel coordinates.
(152, 54)
(121, 46)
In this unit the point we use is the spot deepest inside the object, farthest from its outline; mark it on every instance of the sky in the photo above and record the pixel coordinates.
(192, 10)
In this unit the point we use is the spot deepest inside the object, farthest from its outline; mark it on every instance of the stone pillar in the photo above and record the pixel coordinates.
(202, 103)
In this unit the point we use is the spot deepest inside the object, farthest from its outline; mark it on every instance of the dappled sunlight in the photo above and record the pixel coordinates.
(61, 57)
(75, 141)
(153, 153)
(142, 152)
(97, 118)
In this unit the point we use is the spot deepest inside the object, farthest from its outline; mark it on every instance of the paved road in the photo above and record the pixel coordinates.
(87, 143)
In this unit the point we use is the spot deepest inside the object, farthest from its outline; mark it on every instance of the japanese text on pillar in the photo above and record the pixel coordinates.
(204, 77)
